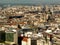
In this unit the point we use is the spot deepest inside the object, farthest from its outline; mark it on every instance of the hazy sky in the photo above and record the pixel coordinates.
(31, 1)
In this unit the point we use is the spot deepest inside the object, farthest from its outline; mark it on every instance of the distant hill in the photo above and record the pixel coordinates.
(29, 2)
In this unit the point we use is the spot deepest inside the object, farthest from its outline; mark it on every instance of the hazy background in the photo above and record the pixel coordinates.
(30, 1)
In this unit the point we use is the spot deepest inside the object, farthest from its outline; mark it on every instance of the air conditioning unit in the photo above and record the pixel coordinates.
(11, 37)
